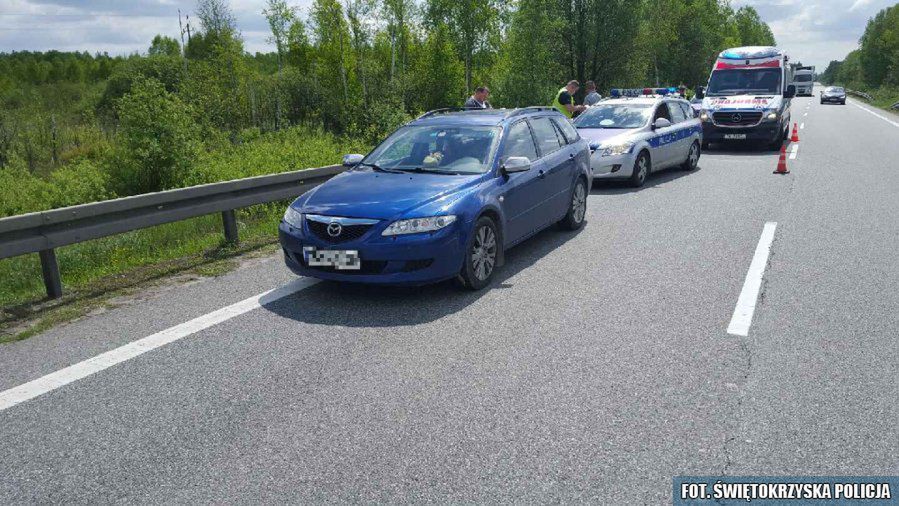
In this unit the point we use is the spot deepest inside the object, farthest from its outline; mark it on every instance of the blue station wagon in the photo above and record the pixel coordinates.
(443, 197)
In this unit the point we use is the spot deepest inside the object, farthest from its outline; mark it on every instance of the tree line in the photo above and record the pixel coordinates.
(874, 66)
(354, 68)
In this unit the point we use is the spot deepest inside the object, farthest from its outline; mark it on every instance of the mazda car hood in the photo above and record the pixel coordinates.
(380, 195)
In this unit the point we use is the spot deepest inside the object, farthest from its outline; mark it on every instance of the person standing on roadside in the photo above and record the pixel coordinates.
(564, 100)
(592, 97)
(479, 99)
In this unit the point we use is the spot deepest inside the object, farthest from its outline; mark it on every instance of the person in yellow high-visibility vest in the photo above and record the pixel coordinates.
(564, 100)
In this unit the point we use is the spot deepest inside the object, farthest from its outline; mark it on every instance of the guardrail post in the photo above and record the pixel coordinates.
(229, 220)
(50, 269)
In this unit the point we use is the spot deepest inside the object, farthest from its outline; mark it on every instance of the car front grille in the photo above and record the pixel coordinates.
(737, 118)
(347, 232)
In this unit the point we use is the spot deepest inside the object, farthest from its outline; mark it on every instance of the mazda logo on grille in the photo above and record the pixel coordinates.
(738, 118)
(334, 229)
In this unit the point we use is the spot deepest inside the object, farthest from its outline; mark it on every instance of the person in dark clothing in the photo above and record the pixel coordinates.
(479, 99)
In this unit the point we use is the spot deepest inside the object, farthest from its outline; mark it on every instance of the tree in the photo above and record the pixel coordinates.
(216, 16)
(280, 18)
(157, 142)
(473, 24)
(163, 45)
(753, 31)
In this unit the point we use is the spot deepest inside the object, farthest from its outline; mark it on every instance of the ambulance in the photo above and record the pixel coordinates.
(747, 98)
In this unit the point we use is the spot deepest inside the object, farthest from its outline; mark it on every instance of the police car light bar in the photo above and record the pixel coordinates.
(641, 92)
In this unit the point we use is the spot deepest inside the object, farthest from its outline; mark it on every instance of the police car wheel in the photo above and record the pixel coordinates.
(692, 157)
(642, 167)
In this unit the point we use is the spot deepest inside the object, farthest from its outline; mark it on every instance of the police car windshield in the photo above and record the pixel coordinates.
(614, 116)
(437, 149)
(744, 81)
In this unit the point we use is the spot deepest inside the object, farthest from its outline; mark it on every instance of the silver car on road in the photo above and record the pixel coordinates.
(631, 137)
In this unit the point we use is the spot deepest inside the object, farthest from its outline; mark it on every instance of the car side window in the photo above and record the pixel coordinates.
(688, 111)
(677, 114)
(662, 112)
(567, 130)
(545, 133)
(519, 142)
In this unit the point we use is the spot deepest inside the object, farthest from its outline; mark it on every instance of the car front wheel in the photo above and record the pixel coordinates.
(577, 209)
(641, 170)
(481, 255)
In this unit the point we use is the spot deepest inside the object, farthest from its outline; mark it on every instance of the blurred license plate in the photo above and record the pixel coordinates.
(734, 136)
(338, 259)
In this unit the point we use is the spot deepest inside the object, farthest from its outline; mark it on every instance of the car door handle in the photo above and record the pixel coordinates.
(541, 174)
(571, 155)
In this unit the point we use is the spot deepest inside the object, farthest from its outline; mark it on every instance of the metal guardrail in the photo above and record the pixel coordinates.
(42, 232)
(895, 106)
(860, 94)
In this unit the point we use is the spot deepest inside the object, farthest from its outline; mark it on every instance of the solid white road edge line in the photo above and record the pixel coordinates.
(75, 372)
(794, 150)
(742, 318)
(888, 120)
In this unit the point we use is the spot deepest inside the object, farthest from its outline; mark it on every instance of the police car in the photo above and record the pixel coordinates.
(638, 131)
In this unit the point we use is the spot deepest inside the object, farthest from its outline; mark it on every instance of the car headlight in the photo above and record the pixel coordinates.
(617, 149)
(771, 116)
(418, 225)
(704, 116)
(293, 218)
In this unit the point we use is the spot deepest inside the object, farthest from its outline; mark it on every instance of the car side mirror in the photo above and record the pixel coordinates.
(661, 123)
(352, 160)
(516, 164)
(700, 92)
(791, 91)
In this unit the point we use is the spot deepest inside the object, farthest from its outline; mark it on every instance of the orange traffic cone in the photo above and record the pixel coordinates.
(782, 163)
(795, 137)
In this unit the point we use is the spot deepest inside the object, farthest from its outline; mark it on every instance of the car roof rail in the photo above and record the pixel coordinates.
(533, 108)
(444, 110)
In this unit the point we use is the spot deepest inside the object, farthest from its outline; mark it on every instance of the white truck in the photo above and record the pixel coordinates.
(804, 79)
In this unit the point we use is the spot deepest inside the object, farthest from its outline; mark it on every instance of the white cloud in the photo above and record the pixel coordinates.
(817, 31)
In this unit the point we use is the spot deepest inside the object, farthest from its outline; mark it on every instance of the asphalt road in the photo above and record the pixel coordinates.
(596, 368)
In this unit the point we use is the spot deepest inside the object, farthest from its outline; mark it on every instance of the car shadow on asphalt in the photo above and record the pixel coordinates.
(360, 305)
(738, 149)
(611, 187)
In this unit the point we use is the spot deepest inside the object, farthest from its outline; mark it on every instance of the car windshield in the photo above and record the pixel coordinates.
(802, 78)
(744, 82)
(614, 116)
(437, 149)
(833, 89)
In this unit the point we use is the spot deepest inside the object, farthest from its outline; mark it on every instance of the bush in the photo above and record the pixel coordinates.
(77, 183)
(158, 140)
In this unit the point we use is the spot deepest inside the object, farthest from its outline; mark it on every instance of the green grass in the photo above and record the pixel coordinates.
(93, 270)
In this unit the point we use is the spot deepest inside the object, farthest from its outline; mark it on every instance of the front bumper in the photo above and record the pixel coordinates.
(413, 259)
(837, 100)
(765, 131)
(612, 167)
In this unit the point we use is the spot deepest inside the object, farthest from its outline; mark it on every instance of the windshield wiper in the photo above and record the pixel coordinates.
(431, 171)
(379, 168)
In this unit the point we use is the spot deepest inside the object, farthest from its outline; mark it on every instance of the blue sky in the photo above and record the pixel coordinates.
(813, 31)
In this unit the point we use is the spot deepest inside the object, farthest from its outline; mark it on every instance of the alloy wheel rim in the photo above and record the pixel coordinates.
(579, 203)
(694, 156)
(483, 253)
(642, 165)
